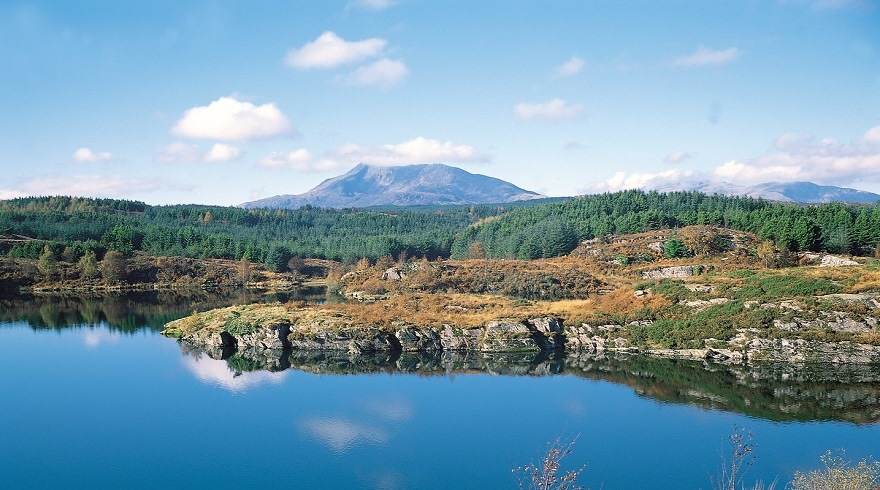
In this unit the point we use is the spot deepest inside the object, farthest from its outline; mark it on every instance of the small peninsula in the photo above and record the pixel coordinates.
(729, 303)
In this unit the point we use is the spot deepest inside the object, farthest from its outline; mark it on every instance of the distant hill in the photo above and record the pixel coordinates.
(799, 192)
(429, 184)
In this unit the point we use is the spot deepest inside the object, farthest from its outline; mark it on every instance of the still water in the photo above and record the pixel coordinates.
(94, 397)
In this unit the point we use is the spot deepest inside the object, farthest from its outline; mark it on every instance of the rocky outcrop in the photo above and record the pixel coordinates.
(677, 271)
(835, 261)
(412, 338)
(352, 340)
(507, 336)
(793, 335)
(807, 351)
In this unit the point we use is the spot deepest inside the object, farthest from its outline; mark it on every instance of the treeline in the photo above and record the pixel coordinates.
(555, 229)
(71, 226)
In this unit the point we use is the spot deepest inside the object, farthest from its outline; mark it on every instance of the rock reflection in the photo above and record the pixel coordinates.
(777, 392)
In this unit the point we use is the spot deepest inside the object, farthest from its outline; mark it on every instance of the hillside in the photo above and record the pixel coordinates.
(367, 185)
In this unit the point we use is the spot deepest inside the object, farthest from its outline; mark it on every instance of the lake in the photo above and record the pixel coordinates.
(95, 397)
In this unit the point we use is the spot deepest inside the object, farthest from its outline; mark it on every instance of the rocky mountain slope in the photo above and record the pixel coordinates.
(429, 184)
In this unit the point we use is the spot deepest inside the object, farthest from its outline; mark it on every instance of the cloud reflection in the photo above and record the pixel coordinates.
(218, 373)
(341, 434)
(92, 338)
(394, 409)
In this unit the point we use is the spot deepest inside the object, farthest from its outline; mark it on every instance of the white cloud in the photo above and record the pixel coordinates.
(704, 56)
(300, 159)
(417, 150)
(797, 157)
(570, 67)
(340, 434)
(84, 155)
(179, 152)
(374, 4)
(872, 135)
(228, 119)
(550, 111)
(384, 74)
(222, 153)
(11, 194)
(792, 140)
(793, 157)
(86, 186)
(621, 181)
(330, 51)
(218, 373)
(677, 157)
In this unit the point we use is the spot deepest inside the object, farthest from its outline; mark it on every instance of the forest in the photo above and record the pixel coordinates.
(71, 227)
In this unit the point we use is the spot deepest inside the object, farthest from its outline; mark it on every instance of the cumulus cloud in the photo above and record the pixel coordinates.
(383, 74)
(86, 155)
(550, 111)
(417, 150)
(677, 157)
(330, 51)
(872, 135)
(705, 56)
(801, 157)
(228, 119)
(11, 194)
(85, 186)
(570, 67)
(216, 372)
(792, 157)
(222, 153)
(340, 434)
(180, 152)
(621, 181)
(300, 159)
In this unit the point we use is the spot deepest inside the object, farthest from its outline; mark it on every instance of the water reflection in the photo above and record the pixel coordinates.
(341, 434)
(133, 311)
(777, 392)
(221, 373)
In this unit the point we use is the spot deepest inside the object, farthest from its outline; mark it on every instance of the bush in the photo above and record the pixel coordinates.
(674, 248)
(839, 474)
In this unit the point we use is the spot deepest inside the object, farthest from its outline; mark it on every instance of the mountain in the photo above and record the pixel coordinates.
(368, 185)
(799, 192)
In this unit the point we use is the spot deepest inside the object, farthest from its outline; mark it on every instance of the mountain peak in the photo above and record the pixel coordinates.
(424, 184)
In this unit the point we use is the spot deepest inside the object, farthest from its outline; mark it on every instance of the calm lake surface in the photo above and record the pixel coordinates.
(94, 397)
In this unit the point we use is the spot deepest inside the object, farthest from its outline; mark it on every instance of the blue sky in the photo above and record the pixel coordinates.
(225, 102)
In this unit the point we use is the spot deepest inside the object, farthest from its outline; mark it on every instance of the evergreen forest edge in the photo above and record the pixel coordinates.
(70, 227)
